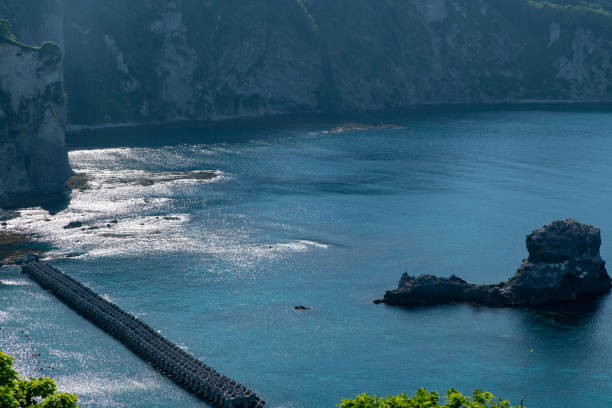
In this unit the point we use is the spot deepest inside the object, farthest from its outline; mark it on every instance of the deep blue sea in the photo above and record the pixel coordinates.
(329, 220)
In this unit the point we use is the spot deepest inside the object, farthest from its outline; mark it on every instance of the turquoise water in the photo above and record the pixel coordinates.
(298, 216)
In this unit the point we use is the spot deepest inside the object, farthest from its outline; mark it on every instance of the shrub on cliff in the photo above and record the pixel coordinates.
(6, 31)
(426, 399)
(16, 392)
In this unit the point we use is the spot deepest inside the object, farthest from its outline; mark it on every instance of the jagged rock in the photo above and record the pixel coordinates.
(563, 265)
(78, 182)
(73, 224)
(430, 290)
(22, 260)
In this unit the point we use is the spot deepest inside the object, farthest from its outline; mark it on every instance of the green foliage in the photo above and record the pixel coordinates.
(16, 392)
(31, 389)
(426, 399)
(60, 401)
(6, 31)
(46, 49)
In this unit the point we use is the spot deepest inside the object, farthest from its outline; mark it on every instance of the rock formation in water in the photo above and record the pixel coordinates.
(33, 158)
(563, 265)
(161, 60)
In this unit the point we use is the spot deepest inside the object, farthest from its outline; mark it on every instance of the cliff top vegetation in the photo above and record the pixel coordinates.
(6, 31)
(47, 48)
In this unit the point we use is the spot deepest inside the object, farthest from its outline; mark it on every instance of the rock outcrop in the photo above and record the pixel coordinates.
(32, 118)
(564, 265)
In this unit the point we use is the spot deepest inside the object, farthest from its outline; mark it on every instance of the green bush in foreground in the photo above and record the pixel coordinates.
(426, 399)
(16, 392)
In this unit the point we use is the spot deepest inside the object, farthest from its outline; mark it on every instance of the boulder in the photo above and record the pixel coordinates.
(73, 224)
(564, 265)
(22, 260)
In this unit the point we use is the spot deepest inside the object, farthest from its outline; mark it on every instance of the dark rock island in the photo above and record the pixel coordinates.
(564, 265)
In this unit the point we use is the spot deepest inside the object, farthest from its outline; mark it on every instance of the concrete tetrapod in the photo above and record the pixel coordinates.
(187, 371)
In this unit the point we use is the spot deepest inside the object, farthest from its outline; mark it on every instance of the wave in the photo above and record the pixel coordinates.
(15, 282)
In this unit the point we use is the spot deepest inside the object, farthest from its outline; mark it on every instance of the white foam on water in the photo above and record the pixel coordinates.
(107, 297)
(314, 243)
(300, 245)
(65, 355)
(15, 282)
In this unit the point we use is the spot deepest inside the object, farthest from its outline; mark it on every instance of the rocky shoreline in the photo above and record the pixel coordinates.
(15, 247)
(564, 265)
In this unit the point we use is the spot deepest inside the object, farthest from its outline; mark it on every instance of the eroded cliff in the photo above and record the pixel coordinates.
(32, 119)
(163, 60)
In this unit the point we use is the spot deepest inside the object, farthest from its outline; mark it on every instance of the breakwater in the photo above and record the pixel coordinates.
(184, 369)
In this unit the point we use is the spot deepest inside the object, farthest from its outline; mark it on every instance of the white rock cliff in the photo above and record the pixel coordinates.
(32, 121)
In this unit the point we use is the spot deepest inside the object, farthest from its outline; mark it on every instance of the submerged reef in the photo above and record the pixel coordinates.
(564, 265)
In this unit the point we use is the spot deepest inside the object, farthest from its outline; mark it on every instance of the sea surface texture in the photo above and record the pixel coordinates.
(295, 215)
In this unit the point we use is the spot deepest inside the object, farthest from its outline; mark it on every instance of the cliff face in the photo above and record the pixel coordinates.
(159, 60)
(148, 60)
(394, 53)
(32, 119)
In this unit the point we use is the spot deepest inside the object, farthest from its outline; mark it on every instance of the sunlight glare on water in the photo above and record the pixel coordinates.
(292, 215)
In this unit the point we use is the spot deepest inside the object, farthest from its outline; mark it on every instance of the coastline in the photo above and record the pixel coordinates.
(14, 245)
(220, 120)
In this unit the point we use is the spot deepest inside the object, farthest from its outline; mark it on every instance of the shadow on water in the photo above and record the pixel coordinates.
(245, 129)
(226, 131)
(570, 316)
(53, 203)
(567, 315)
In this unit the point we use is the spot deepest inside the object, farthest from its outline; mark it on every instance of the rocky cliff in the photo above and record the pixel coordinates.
(160, 60)
(32, 118)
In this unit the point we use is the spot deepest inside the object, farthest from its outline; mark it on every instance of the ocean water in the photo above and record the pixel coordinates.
(295, 215)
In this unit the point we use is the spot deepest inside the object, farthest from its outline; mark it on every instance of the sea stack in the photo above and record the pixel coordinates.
(564, 265)
(32, 119)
